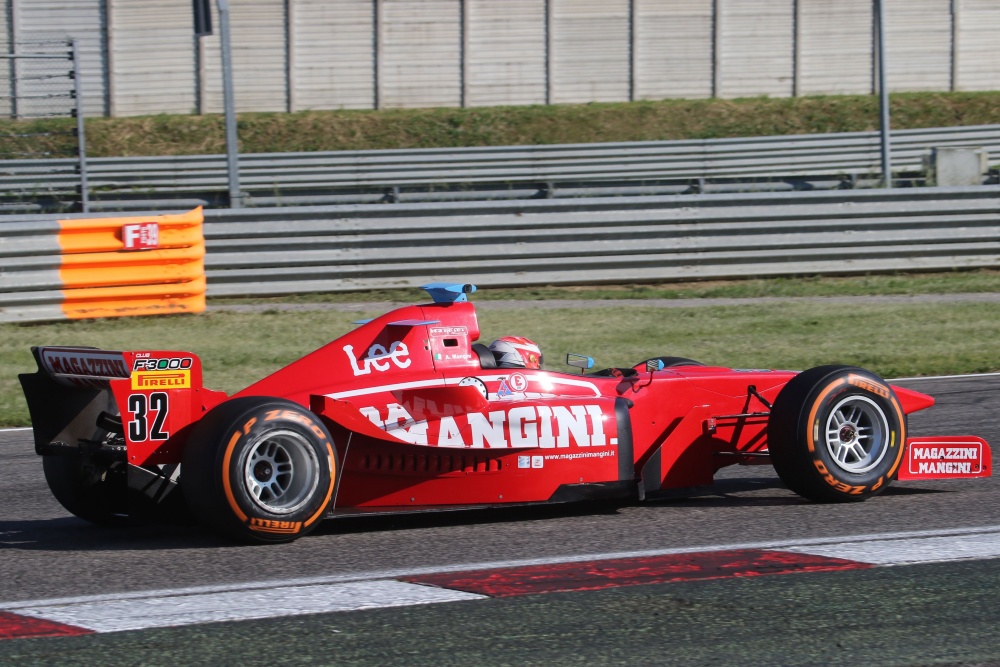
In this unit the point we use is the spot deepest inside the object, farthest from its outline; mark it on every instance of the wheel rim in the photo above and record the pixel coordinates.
(856, 434)
(281, 472)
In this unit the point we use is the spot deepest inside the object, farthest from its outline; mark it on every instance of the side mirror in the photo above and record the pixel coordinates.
(580, 361)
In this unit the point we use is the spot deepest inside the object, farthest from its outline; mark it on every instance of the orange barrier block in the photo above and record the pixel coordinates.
(86, 235)
(163, 299)
(132, 268)
(139, 265)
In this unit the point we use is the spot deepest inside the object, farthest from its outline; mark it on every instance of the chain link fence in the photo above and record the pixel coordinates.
(39, 98)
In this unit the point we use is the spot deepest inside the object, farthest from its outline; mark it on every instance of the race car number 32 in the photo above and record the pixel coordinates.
(148, 416)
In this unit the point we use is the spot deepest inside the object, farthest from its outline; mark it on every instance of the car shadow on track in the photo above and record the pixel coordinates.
(732, 492)
(755, 492)
(458, 517)
(68, 534)
(73, 534)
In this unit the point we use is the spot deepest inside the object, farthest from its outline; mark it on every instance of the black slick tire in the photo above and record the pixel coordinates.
(836, 434)
(260, 469)
(92, 493)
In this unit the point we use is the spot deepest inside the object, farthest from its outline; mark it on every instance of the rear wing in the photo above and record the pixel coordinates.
(144, 401)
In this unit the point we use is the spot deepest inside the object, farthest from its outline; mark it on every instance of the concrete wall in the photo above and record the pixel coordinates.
(292, 55)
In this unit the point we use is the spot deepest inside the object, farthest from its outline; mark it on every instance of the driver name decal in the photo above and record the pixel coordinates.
(527, 426)
(378, 358)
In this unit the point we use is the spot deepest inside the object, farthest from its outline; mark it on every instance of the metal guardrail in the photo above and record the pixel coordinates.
(797, 162)
(255, 252)
(41, 79)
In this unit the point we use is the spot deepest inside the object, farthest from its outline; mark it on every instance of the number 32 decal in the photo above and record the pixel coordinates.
(148, 416)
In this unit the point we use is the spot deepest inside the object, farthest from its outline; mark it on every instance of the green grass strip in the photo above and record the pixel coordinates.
(499, 126)
(893, 339)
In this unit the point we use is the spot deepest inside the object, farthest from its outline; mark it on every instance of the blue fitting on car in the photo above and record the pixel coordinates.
(449, 292)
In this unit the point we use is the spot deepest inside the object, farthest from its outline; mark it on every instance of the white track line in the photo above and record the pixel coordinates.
(944, 377)
(911, 551)
(159, 612)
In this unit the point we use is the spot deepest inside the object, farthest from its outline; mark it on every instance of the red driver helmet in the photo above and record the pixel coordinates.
(516, 352)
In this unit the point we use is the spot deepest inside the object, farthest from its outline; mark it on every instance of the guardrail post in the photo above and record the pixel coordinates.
(549, 44)
(883, 90)
(232, 145)
(81, 138)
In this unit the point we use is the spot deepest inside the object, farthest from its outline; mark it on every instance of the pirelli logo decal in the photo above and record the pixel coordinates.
(868, 385)
(143, 380)
(270, 526)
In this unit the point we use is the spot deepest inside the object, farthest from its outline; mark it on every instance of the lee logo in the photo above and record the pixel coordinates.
(379, 358)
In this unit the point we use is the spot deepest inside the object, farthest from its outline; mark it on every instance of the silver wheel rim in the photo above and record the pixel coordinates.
(856, 434)
(281, 472)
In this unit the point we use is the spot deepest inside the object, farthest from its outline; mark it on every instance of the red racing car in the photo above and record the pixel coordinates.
(407, 412)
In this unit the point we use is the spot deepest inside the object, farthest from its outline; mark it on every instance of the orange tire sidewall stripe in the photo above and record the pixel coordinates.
(231, 497)
(226, 483)
(329, 491)
(902, 435)
(810, 439)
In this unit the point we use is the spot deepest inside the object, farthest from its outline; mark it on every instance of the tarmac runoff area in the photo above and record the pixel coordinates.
(894, 299)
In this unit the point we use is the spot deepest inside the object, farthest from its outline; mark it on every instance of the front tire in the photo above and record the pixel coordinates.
(260, 469)
(836, 434)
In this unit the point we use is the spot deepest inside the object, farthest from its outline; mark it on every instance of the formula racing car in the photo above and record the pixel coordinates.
(408, 412)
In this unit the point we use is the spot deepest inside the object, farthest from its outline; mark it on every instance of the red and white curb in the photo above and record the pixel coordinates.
(209, 604)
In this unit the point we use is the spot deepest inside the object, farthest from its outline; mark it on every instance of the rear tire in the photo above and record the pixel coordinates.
(836, 434)
(93, 493)
(260, 469)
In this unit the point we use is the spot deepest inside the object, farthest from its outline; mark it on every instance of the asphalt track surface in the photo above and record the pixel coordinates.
(937, 613)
